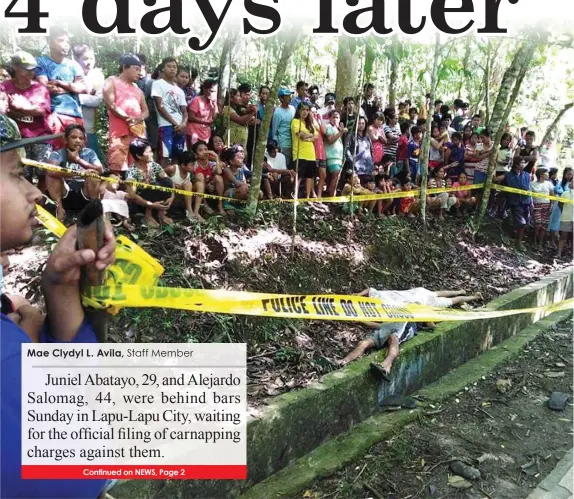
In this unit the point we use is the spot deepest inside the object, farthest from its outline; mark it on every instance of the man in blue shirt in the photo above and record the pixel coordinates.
(301, 95)
(281, 125)
(519, 204)
(65, 81)
(65, 320)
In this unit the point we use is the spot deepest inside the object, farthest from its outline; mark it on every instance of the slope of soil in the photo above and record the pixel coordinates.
(512, 438)
(331, 255)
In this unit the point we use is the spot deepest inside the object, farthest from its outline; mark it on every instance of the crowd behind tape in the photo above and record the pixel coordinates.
(336, 199)
(131, 282)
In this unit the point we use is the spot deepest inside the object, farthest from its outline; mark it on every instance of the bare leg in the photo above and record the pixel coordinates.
(219, 188)
(359, 351)
(466, 299)
(187, 186)
(392, 353)
(321, 184)
(55, 188)
(519, 237)
(562, 242)
(199, 187)
(365, 292)
(309, 185)
(449, 294)
(332, 188)
(148, 218)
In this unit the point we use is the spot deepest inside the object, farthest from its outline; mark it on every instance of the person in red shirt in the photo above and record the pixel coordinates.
(202, 112)
(403, 148)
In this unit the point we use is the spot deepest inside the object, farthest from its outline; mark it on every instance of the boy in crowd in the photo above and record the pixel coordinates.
(65, 321)
(529, 153)
(396, 333)
(454, 156)
(65, 81)
(171, 108)
(281, 124)
(414, 152)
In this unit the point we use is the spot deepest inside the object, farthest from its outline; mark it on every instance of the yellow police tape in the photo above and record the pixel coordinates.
(513, 190)
(131, 283)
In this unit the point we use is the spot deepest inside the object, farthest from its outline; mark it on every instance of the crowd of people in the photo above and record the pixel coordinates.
(166, 132)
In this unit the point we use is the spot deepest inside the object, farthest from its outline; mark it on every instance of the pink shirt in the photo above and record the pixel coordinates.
(461, 194)
(38, 96)
(204, 110)
(320, 153)
(128, 98)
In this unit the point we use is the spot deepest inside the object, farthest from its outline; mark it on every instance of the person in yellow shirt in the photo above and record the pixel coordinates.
(304, 134)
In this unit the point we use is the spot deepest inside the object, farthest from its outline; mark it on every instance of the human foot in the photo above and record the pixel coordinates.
(150, 222)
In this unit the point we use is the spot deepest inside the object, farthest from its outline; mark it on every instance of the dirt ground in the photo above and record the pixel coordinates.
(332, 255)
(512, 438)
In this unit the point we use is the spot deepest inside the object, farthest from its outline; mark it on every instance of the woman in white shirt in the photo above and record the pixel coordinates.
(541, 211)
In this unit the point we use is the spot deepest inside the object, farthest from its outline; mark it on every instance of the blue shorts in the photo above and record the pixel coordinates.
(404, 331)
(521, 215)
(171, 143)
(479, 177)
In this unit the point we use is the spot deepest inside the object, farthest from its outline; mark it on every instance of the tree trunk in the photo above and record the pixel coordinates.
(394, 72)
(424, 157)
(225, 63)
(464, 79)
(369, 63)
(554, 124)
(347, 65)
(261, 144)
(512, 80)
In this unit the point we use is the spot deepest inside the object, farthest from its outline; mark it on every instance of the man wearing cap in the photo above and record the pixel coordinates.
(127, 112)
(65, 321)
(65, 81)
(325, 112)
(29, 105)
(281, 126)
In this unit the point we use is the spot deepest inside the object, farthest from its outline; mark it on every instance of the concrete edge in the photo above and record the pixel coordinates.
(333, 455)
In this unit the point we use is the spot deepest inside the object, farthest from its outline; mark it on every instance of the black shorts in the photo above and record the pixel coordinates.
(307, 169)
(74, 198)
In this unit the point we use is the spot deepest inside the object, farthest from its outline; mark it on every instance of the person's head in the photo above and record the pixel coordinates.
(457, 104)
(476, 121)
(407, 186)
(422, 124)
(209, 89)
(349, 105)
(369, 90)
(388, 160)
(456, 139)
(330, 99)
(186, 160)
(183, 77)
(417, 133)
(380, 180)
(130, 67)
(24, 66)
(567, 176)
(435, 132)
(143, 59)
(314, 111)
(75, 137)
(362, 126)
(303, 112)
(462, 178)
(244, 93)
(448, 182)
(285, 96)
(216, 144)
(406, 128)
(447, 119)
(141, 151)
(486, 136)
(437, 104)
(369, 181)
(402, 107)
(442, 127)
(233, 156)
(264, 92)
(505, 140)
(474, 138)
(467, 131)
(553, 174)
(518, 164)
(201, 150)
(335, 118)
(6, 73)
(464, 109)
(378, 119)
(18, 197)
(413, 113)
(314, 93)
(272, 148)
(391, 116)
(439, 172)
(112, 182)
(542, 174)
(169, 68)
(302, 89)
(234, 96)
(529, 138)
(444, 109)
(85, 57)
(59, 42)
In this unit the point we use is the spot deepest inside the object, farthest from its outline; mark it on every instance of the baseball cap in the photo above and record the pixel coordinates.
(25, 60)
(285, 91)
(10, 137)
(130, 60)
(330, 97)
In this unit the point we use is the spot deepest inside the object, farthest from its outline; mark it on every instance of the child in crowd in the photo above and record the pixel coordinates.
(236, 186)
(541, 209)
(437, 142)
(383, 185)
(181, 176)
(353, 184)
(465, 201)
(566, 220)
(443, 201)
(409, 205)
(114, 202)
(414, 151)
(471, 152)
(279, 178)
(207, 178)
(403, 149)
(395, 334)
(454, 156)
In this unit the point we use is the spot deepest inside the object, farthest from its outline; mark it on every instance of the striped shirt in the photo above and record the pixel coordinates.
(391, 149)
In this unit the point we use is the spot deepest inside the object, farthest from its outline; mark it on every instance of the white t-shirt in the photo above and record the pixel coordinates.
(278, 162)
(172, 98)
(417, 296)
(178, 178)
(543, 188)
(568, 209)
